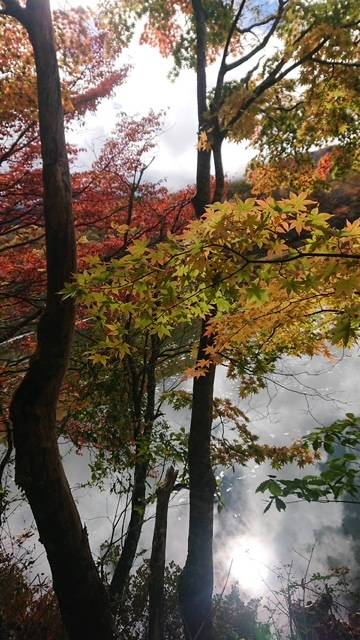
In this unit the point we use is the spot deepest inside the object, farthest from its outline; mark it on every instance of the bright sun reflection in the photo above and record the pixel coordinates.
(250, 562)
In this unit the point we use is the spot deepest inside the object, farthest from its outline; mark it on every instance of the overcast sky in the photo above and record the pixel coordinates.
(148, 87)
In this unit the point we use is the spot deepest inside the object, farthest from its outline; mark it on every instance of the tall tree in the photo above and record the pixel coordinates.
(196, 581)
(240, 32)
(39, 472)
(89, 72)
(157, 560)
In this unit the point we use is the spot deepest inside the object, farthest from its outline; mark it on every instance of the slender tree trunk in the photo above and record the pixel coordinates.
(138, 500)
(122, 571)
(82, 598)
(157, 560)
(202, 197)
(219, 169)
(196, 580)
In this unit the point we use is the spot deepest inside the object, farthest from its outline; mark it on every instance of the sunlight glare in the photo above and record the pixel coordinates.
(250, 561)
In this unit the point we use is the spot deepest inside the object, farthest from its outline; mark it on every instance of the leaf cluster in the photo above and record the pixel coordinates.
(339, 475)
(273, 275)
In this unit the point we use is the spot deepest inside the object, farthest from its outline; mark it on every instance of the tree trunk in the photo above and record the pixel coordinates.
(196, 580)
(82, 597)
(202, 196)
(219, 169)
(138, 498)
(157, 560)
(122, 571)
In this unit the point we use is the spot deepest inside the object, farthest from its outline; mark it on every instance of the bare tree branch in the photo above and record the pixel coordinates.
(14, 146)
(336, 63)
(264, 41)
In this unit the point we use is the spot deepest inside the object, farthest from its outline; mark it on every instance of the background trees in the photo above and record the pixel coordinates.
(233, 110)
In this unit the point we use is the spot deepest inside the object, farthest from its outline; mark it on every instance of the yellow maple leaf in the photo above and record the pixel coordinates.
(203, 142)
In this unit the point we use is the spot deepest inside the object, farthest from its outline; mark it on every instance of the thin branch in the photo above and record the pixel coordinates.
(7, 154)
(262, 44)
(298, 256)
(335, 63)
(271, 80)
(260, 23)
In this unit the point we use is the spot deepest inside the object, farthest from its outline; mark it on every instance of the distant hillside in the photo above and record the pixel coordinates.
(342, 198)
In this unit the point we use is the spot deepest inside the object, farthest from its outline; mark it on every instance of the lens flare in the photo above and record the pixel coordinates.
(250, 562)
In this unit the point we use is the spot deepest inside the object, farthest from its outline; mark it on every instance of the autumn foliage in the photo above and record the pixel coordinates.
(170, 285)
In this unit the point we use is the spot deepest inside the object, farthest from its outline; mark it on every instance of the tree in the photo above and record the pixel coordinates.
(157, 560)
(233, 617)
(113, 205)
(89, 73)
(248, 268)
(39, 472)
(241, 31)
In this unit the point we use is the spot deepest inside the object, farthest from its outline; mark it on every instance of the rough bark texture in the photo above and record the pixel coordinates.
(157, 560)
(82, 598)
(219, 169)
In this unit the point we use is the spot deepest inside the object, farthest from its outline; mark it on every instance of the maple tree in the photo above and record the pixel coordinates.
(39, 472)
(89, 73)
(112, 205)
(276, 103)
(240, 32)
(270, 290)
(241, 267)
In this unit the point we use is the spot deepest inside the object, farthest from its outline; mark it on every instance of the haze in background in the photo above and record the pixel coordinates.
(256, 545)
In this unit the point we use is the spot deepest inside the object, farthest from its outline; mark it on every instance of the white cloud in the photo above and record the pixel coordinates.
(149, 87)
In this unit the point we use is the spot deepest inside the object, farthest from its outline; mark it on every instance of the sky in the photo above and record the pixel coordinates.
(149, 87)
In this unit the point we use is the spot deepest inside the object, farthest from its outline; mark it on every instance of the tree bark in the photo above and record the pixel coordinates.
(219, 169)
(196, 580)
(157, 560)
(82, 597)
(202, 196)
